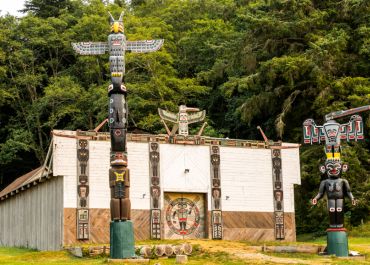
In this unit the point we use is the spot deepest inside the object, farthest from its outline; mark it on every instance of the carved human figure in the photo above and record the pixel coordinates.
(215, 160)
(154, 158)
(182, 214)
(119, 182)
(156, 192)
(276, 163)
(216, 194)
(278, 199)
(336, 189)
(83, 192)
(83, 156)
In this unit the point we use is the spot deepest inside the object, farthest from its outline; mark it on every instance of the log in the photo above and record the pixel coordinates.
(159, 250)
(168, 250)
(181, 259)
(146, 251)
(292, 249)
(178, 250)
(188, 249)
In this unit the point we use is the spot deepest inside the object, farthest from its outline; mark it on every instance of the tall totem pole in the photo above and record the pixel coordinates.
(335, 188)
(121, 228)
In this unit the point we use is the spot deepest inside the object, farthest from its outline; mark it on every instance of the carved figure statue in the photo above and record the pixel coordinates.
(331, 133)
(154, 158)
(119, 182)
(83, 156)
(117, 45)
(216, 194)
(215, 160)
(182, 119)
(336, 189)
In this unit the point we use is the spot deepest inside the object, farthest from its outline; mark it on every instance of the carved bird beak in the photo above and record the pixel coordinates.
(192, 109)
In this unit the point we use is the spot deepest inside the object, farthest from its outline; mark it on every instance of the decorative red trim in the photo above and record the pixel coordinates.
(342, 229)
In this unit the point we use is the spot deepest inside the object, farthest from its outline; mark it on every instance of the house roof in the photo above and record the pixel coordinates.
(26, 181)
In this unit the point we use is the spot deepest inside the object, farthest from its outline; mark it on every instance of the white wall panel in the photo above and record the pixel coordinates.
(138, 163)
(291, 175)
(245, 174)
(65, 164)
(64, 156)
(173, 162)
(99, 153)
(246, 177)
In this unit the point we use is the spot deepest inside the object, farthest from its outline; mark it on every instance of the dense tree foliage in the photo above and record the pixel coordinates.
(271, 63)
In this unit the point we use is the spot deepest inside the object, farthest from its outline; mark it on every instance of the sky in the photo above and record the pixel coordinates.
(11, 6)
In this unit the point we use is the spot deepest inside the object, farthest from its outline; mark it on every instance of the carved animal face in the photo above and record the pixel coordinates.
(116, 25)
(334, 168)
(83, 143)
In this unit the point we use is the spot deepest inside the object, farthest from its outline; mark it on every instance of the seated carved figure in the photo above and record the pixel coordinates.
(119, 182)
(336, 189)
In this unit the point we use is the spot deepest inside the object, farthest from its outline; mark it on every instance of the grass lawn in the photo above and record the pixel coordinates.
(206, 252)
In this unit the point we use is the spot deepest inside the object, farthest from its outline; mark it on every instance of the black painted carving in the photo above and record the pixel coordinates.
(216, 214)
(155, 190)
(82, 189)
(278, 193)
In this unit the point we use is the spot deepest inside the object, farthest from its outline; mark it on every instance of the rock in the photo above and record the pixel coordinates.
(76, 251)
(181, 259)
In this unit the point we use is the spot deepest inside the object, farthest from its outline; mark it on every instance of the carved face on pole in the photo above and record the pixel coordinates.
(116, 25)
(333, 168)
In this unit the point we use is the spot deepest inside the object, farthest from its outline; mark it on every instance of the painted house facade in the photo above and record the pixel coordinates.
(180, 187)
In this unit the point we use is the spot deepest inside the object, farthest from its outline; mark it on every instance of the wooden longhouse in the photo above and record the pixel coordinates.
(208, 188)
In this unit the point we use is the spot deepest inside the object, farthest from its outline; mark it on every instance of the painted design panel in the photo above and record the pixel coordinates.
(82, 189)
(155, 219)
(155, 190)
(184, 215)
(278, 194)
(216, 225)
(216, 192)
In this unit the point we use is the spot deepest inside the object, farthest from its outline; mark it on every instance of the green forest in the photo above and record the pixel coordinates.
(272, 63)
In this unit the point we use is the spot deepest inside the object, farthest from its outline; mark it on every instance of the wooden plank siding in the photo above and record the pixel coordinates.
(255, 226)
(33, 218)
(99, 226)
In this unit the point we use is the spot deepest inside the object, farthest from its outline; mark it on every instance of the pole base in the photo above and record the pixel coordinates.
(337, 241)
(122, 243)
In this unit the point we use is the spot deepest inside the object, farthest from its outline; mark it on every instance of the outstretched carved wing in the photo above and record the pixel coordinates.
(144, 45)
(168, 116)
(90, 48)
(355, 129)
(312, 133)
(196, 117)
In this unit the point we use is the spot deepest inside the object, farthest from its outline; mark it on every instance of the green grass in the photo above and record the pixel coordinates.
(207, 252)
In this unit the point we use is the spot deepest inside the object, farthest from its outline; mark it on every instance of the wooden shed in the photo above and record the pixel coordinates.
(207, 188)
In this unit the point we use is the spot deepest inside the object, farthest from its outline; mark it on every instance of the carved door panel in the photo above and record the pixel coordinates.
(184, 215)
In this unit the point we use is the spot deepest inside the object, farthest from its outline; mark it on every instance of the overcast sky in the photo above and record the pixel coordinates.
(11, 6)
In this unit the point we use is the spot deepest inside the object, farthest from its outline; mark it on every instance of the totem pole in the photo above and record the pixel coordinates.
(182, 119)
(121, 228)
(335, 188)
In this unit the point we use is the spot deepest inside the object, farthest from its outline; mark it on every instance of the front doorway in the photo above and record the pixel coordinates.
(184, 215)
